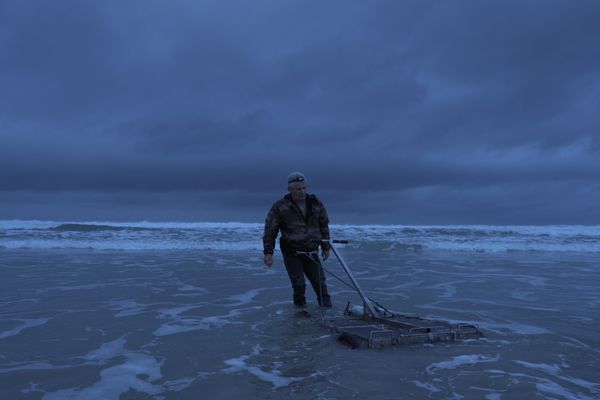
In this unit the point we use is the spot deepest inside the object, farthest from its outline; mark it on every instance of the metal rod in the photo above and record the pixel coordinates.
(363, 296)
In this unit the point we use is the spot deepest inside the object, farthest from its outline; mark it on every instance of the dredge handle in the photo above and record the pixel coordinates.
(366, 302)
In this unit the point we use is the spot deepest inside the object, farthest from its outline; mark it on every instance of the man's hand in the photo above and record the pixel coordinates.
(268, 260)
(324, 254)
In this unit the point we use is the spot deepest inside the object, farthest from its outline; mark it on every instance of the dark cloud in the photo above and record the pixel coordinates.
(452, 110)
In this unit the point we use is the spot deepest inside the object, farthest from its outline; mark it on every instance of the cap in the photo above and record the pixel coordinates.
(296, 177)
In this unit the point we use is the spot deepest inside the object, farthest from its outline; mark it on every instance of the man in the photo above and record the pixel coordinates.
(303, 222)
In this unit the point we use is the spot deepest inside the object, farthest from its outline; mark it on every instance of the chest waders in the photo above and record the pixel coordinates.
(314, 257)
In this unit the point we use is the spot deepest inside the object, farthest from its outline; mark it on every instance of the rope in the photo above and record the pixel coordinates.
(350, 285)
(314, 255)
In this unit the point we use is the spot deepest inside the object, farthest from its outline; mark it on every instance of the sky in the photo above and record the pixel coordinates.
(397, 112)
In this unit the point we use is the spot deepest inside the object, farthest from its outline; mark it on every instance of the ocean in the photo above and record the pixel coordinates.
(107, 310)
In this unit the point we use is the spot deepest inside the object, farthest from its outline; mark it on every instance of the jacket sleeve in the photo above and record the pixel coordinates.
(272, 224)
(324, 226)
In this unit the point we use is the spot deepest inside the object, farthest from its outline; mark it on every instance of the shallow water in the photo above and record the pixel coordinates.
(89, 324)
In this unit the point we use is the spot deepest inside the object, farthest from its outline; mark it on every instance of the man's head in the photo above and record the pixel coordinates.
(297, 186)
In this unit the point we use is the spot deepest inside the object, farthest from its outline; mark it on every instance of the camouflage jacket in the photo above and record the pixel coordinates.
(298, 232)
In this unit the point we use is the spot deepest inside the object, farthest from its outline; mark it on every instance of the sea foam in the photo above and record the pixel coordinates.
(238, 236)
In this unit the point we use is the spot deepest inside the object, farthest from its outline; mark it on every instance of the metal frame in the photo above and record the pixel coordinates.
(379, 329)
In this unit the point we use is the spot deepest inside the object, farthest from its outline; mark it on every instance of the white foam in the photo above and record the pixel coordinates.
(272, 376)
(514, 327)
(449, 288)
(117, 380)
(26, 324)
(31, 366)
(547, 386)
(107, 351)
(132, 245)
(138, 372)
(127, 308)
(225, 236)
(33, 388)
(579, 344)
(427, 386)
(468, 359)
(479, 237)
(191, 288)
(556, 371)
(244, 298)
(37, 224)
(174, 312)
(102, 332)
(182, 325)
(553, 388)
(548, 368)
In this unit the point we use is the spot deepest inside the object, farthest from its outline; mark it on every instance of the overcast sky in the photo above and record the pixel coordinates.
(408, 112)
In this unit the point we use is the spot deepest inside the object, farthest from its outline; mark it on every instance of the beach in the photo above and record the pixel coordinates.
(89, 323)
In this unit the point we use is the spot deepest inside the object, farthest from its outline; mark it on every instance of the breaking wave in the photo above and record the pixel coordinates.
(248, 236)
(88, 228)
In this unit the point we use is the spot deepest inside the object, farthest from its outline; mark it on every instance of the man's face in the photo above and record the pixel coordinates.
(298, 191)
